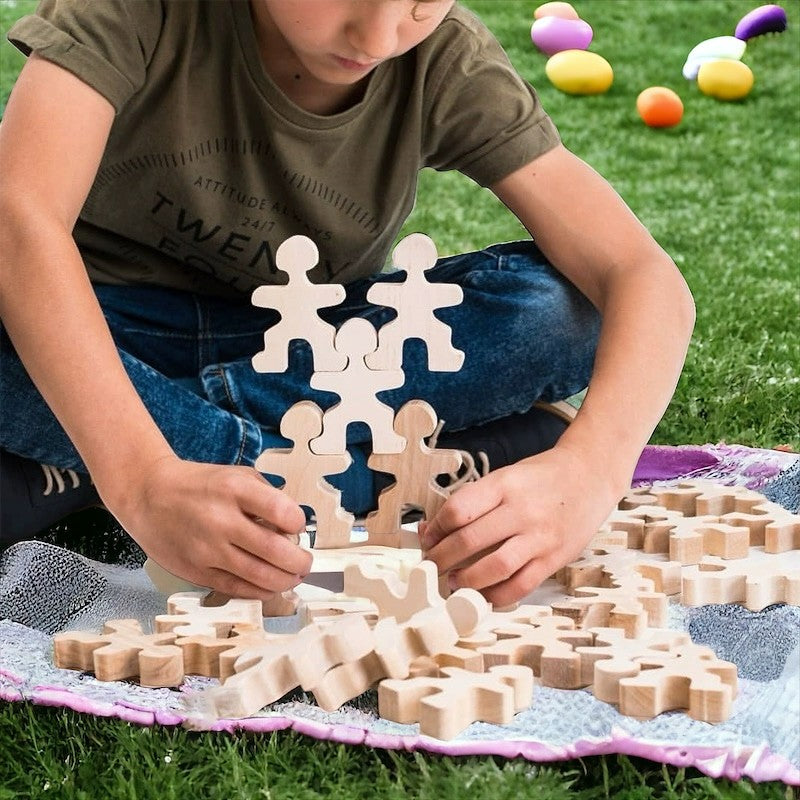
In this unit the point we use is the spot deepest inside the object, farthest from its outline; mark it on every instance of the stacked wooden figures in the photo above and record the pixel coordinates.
(356, 363)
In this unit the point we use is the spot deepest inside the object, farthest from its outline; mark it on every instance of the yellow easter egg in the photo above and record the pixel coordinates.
(579, 72)
(556, 9)
(725, 79)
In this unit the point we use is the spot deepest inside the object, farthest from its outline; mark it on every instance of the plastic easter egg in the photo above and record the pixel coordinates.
(554, 34)
(764, 19)
(712, 50)
(556, 9)
(659, 107)
(579, 72)
(725, 79)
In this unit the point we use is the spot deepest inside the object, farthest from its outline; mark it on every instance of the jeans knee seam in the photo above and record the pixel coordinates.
(220, 372)
(242, 441)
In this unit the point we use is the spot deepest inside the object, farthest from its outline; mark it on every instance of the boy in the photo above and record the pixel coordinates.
(153, 155)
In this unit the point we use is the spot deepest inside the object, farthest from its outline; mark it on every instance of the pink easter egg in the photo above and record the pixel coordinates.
(554, 34)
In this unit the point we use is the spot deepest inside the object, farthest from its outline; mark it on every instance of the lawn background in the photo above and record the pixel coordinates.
(720, 193)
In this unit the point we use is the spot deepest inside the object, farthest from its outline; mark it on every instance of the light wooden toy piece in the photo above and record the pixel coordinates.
(681, 498)
(187, 616)
(607, 538)
(689, 543)
(546, 645)
(483, 634)
(720, 500)
(758, 581)
(690, 678)
(415, 301)
(340, 605)
(597, 567)
(304, 472)
(415, 471)
(394, 596)
(122, 651)
(431, 632)
(298, 302)
(402, 599)
(401, 560)
(201, 654)
(446, 706)
(665, 575)
(782, 535)
(264, 673)
(403, 592)
(641, 496)
(632, 606)
(357, 386)
(282, 604)
(648, 527)
(612, 657)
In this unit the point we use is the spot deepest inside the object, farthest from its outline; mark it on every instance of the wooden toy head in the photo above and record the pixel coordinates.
(356, 338)
(416, 417)
(296, 255)
(415, 253)
(301, 422)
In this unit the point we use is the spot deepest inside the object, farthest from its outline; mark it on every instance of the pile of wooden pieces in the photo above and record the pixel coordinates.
(446, 662)
(442, 661)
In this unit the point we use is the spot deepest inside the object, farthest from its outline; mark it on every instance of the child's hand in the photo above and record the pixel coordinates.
(515, 527)
(218, 526)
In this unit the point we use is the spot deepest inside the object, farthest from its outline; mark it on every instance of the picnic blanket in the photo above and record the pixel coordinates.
(44, 589)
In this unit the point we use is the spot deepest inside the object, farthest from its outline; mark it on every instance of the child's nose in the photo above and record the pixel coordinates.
(374, 33)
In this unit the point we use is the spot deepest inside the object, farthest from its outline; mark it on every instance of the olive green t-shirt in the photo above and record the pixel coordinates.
(209, 166)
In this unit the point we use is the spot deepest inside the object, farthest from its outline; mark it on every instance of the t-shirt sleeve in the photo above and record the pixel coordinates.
(483, 119)
(105, 43)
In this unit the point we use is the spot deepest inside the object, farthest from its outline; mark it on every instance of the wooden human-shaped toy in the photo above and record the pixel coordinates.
(689, 677)
(758, 581)
(187, 615)
(445, 706)
(304, 472)
(415, 300)
(122, 651)
(298, 303)
(357, 386)
(415, 471)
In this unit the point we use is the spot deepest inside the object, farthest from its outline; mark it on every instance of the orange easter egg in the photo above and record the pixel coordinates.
(659, 107)
(556, 9)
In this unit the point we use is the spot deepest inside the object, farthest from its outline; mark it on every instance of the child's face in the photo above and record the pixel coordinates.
(340, 41)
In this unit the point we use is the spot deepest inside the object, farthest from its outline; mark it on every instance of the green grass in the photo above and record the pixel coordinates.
(720, 193)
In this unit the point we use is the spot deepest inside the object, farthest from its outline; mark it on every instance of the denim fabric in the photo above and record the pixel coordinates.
(527, 334)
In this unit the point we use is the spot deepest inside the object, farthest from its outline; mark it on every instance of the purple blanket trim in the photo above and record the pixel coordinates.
(656, 463)
(757, 763)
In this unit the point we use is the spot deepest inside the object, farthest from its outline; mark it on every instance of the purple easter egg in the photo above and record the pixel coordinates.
(554, 34)
(764, 19)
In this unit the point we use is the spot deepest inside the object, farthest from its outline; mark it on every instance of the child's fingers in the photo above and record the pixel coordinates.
(461, 509)
(237, 586)
(463, 545)
(516, 586)
(266, 546)
(495, 566)
(260, 499)
(271, 574)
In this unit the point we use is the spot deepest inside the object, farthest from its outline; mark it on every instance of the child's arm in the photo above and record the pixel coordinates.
(197, 520)
(540, 513)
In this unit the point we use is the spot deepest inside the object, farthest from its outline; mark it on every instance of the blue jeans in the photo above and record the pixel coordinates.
(527, 334)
